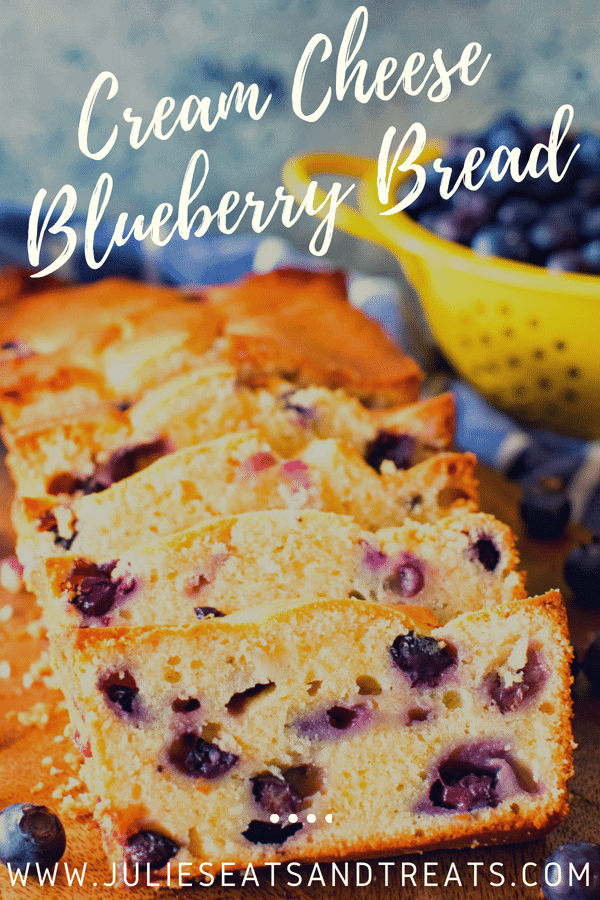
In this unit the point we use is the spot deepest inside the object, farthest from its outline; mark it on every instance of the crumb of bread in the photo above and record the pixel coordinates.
(35, 629)
(11, 574)
(4, 669)
(74, 807)
(38, 715)
(6, 612)
(38, 787)
(39, 670)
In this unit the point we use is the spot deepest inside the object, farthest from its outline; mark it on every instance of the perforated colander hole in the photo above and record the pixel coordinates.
(466, 342)
(485, 339)
(505, 309)
(573, 372)
(560, 346)
(509, 332)
(491, 367)
(465, 319)
(514, 362)
(571, 396)
(533, 323)
(545, 384)
(538, 354)
(520, 392)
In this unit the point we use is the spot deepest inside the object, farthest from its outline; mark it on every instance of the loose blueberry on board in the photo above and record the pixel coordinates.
(572, 872)
(591, 664)
(421, 658)
(545, 514)
(30, 834)
(150, 848)
(582, 574)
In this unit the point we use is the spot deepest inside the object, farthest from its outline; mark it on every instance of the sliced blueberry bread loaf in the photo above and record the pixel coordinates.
(465, 562)
(325, 730)
(88, 453)
(234, 474)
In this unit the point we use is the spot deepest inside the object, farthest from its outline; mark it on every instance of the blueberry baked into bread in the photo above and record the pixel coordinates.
(234, 563)
(87, 453)
(325, 729)
(283, 628)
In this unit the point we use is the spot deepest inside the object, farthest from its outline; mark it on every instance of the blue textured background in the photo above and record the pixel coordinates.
(543, 54)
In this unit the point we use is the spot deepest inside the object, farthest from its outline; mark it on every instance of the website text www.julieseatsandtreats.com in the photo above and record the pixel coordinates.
(359, 874)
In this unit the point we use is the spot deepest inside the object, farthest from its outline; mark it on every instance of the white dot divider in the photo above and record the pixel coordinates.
(293, 818)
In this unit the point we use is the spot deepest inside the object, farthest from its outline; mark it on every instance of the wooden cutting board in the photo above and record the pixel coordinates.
(36, 761)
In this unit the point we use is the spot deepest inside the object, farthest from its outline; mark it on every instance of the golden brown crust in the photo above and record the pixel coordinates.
(300, 324)
(63, 316)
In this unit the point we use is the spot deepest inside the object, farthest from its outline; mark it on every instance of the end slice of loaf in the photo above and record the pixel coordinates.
(326, 730)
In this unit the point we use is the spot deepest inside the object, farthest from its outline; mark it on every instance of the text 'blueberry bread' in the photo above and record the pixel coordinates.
(234, 474)
(462, 563)
(123, 337)
(88, 453)
(326, 730)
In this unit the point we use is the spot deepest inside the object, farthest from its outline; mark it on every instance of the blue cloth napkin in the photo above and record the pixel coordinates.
(527, 455)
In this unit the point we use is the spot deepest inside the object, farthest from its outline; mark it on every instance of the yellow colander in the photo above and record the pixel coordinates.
(527, 338)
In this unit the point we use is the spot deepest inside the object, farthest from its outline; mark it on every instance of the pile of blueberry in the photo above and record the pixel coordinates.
(537, 220)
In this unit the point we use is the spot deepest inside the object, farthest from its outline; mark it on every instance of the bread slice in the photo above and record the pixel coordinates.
(86, 452)
(463, 563)
(325, 730)
(234, 474)
(126, 337)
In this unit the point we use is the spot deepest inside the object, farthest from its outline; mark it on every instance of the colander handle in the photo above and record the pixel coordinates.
(298, 173)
